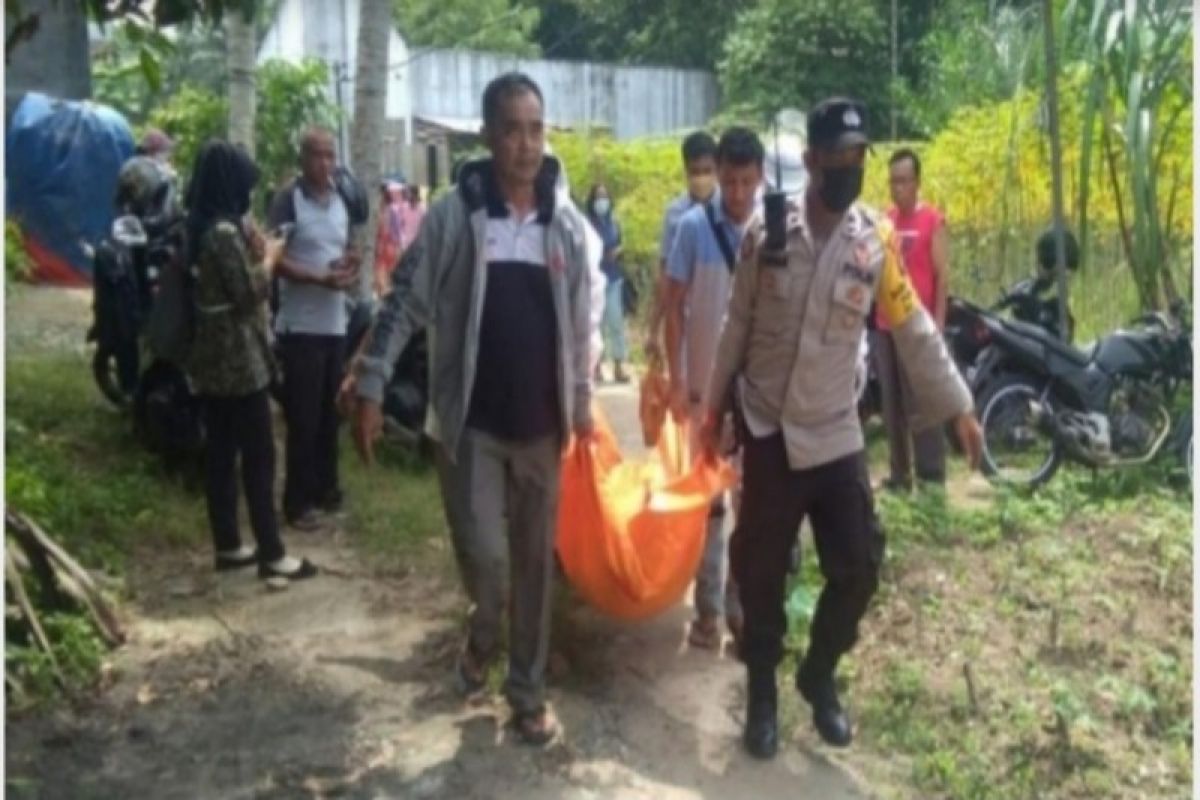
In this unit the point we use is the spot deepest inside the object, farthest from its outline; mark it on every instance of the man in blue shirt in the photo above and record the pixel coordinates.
(699, 281)
(700, 165)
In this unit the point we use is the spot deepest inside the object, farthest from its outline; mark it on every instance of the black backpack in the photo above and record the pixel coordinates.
(349, 188)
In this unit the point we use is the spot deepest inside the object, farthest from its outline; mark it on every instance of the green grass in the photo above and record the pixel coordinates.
(1069, 607)
(395, 507)
(74, 466)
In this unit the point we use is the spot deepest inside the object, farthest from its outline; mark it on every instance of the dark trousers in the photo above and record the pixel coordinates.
(241, 425)
(896, 395)
(312, 373)
(775, 501)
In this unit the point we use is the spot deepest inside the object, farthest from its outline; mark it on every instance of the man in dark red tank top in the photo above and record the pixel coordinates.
(921, 231)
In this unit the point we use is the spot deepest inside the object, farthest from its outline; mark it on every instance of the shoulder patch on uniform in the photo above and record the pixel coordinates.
(869, 216)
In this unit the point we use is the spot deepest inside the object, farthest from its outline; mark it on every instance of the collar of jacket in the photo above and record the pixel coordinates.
(478, 188)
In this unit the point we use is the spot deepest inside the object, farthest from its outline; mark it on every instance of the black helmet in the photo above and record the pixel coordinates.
(1045, 250)
(145, 188)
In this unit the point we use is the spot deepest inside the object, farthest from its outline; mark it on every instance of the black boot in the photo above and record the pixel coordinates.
(814, 679)
(761, 735)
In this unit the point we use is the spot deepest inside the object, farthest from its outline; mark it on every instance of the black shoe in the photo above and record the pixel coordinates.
(306, 570)
(333, 502)
(829, 717)
(896, 486)
(761, 734)
(307, 520)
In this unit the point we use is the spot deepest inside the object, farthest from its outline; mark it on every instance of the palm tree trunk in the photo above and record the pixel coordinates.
(370, 106)
(240, 61)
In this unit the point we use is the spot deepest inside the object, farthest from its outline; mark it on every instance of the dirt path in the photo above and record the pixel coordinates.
(341, 688)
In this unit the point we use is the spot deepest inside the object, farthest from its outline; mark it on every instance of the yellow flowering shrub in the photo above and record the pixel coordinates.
(988, 170)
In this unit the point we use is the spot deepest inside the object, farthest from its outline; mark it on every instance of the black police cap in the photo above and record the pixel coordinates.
(837, 122)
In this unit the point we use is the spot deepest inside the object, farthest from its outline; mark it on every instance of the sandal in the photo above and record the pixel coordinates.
(470, 673)
(225, 562)
(307, 569)
(537, 727)
(705, 633)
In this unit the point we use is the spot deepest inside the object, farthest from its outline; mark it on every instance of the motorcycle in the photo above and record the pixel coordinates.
(1113, 404)
(129, 268)
(967, 336)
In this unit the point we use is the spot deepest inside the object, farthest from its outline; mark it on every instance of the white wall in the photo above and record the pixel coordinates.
(631, 101)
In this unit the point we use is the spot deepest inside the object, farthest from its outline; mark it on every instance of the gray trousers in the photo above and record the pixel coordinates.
(501, 501)
(716, 592)
(897, 396)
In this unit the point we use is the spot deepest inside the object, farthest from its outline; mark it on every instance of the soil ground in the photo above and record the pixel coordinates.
(341, 686)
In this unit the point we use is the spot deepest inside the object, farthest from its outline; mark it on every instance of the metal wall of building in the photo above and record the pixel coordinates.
(445, 86)
(630, 101)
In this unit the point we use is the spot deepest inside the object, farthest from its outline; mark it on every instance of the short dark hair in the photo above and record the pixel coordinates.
(311, 134)
(740, 147)
(502, 87)
(699, 145)
(911, 155)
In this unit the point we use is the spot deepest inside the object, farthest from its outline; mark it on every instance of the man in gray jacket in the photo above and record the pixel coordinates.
(499, 280)
(790, 342)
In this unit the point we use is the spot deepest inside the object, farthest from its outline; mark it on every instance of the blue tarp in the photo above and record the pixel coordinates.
(62, 160)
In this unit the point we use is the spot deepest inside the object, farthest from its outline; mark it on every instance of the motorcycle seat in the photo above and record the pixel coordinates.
(1081, 357)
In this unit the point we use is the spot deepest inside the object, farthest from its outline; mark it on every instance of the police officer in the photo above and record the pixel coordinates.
(788, 349)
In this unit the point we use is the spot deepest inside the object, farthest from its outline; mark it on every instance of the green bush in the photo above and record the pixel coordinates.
(17, 264)
(291, 97)
(191, 116)
(642, 176)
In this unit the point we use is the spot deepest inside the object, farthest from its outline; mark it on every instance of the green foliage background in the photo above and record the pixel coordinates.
(988, 169)
(291, 97)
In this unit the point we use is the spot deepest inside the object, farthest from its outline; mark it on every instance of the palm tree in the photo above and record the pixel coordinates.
(240, 43)
(370, 105)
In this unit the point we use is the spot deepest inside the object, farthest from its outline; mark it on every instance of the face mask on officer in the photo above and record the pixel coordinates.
(840, 186)
(602, 206)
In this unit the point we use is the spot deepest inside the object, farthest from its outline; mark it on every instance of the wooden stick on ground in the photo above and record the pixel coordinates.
(17, 586)
(80, 585)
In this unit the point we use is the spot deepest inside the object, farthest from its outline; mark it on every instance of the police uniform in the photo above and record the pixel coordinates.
(789, 349)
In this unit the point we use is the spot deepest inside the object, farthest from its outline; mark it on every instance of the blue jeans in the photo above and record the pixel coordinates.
(613, 325)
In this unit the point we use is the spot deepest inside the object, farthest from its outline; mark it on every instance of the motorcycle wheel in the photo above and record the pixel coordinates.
(1015, 449)
(104, 372)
